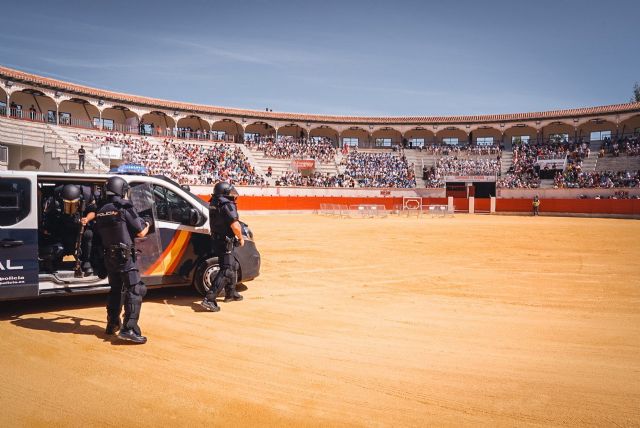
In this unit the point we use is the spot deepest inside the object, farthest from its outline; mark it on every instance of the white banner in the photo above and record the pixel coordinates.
(107, 152)
(470, 178)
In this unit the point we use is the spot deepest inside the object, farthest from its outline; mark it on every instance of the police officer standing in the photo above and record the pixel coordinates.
(226, 234)
(117, 225)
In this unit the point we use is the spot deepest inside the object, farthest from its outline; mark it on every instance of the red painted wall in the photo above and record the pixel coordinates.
(582, 206)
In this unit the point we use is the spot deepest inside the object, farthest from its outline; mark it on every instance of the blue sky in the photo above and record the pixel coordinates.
(337, 57)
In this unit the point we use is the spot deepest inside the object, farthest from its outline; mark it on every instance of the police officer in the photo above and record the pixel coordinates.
(117, 225)
(226, 234)
(68, 217)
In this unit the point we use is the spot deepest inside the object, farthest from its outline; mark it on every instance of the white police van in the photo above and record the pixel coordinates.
(176, 252)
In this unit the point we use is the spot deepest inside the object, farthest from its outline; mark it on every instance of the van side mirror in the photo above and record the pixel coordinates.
(185, 187)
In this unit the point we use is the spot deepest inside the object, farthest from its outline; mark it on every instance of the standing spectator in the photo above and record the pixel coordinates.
(81, 153)
(32, 112)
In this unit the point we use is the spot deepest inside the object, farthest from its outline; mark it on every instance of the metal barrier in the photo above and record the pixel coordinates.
(367, 211)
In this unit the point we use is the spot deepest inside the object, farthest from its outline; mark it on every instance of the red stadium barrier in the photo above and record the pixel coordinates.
(482, 205)
(461, 204)
(576, 206)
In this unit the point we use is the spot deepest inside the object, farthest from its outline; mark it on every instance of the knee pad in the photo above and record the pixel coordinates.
(139, 289)
(131, 278)
(224, 277)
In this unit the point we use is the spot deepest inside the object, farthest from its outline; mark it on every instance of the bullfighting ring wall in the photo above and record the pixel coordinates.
(553, 201)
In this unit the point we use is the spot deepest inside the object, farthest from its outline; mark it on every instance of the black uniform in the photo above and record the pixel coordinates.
(61, 227)
(117, 224)
(81, 154)
(222, 214)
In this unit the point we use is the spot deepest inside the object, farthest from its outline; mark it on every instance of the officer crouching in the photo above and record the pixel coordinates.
(226, 234)
(117, 225)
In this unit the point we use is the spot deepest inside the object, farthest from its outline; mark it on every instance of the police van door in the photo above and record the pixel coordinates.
(149, 249)
(18, 236)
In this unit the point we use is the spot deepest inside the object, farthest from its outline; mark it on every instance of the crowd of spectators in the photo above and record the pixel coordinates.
(458, 150)
(627, 145)
(575, 178)
(434, 176)
(285, 147)
(316, 179)
(522, 174)
(379, 169)
(185, 163)
(455, 166)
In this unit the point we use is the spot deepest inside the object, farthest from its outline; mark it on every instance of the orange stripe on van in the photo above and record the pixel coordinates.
(171, 255)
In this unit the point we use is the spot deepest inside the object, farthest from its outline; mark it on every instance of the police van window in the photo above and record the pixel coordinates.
(170, 206)
(15, 200)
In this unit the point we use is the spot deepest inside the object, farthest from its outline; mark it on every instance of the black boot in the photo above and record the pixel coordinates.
(210, 305)
(87, 269)
(232, 296)
(112, 329)
(113, 325)
(131, 336)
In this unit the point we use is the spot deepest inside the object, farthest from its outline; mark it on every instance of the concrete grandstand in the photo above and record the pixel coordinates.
(564, 154)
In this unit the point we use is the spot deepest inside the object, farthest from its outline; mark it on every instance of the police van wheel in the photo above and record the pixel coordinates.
(205, 274)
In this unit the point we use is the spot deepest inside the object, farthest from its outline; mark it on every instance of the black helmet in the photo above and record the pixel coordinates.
(71, 195)
(225, 189)
(116, 186)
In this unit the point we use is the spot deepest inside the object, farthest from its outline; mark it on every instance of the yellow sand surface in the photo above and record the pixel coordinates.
(472, 320)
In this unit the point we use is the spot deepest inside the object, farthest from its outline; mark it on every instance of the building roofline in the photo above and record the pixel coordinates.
(156, 103)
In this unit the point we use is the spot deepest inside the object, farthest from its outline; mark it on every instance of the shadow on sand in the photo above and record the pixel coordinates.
(16, 312)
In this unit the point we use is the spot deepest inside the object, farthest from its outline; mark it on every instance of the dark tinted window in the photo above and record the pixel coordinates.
(15, 200)
(170, 206)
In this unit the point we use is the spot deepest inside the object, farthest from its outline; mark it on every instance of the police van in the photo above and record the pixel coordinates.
(176, 251)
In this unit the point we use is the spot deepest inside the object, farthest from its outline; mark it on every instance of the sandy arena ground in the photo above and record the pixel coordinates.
(473, 320)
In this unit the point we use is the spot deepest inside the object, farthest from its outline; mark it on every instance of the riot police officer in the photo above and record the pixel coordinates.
(68, 216)
(226, 234)
(117, 225)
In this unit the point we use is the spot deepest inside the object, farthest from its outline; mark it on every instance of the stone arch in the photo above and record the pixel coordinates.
(596, 125)
(380, 137)
(356, 132)
(486, 132)
(79, 112)
(557, 128)
(157, 123)
(421, 137)
(325, 131)
(228, 130)
(123, 119)
(630, 126)
(29, 165)
(292, 130)
(452, 132)
(263, 129)
(32, 104)
(515, 134)
(193, 127)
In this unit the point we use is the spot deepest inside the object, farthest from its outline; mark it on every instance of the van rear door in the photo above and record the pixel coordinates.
(18, 235)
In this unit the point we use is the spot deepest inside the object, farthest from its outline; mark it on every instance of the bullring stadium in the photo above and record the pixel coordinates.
(399, 270)
(559, 155)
